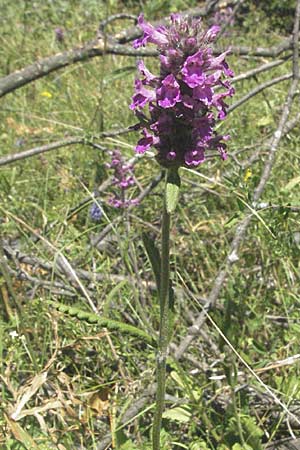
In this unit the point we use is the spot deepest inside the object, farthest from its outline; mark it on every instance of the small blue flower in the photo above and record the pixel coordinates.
(95, 212)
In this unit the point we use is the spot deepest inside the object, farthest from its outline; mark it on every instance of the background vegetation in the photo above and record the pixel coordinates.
(68, 378)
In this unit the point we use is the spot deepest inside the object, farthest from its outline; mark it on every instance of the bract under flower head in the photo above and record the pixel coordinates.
(186, 97)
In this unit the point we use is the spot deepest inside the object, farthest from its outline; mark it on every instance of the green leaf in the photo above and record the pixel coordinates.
(102, 321)
(111, 295)
(232, 221)
(240, 204)
(264, 121)
(20, 434)
(176, 377)
(172, 190)
(199, 445)
(242, 447)
(253, 432)
(172, 314)
(154, 257)
(128, 445)
(291, 184)
(179, 413)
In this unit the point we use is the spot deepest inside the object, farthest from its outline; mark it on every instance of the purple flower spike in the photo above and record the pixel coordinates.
(179, 108)
(122, 179)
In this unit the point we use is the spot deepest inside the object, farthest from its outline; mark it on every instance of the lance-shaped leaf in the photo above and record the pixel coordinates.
(111, 324)
(172, 190)
(154, 257)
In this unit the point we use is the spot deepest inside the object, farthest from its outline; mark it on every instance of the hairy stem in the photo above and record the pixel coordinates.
(163, 327)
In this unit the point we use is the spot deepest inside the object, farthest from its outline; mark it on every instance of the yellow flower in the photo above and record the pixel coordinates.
(46, 94)
(247, 175)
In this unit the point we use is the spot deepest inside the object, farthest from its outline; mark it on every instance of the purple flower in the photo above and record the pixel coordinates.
(96, 212)
(203, 127)
(204, 94)
(142, 96)
(194, 157)
(146, 142)
(59, 34)
(179, 107)
(212, 33)
(168, 94)
(224, 16)
(122, 179)
(149, 77)
(155, 35)
(192, 70)
(219, 63)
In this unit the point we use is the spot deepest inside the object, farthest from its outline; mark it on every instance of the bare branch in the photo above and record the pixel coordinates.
(5, 160)
(259, 69)
(38, 150)
(110, 19)
(292, 123)
(259, 89)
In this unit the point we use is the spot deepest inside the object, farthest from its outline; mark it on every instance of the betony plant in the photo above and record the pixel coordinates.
(177, 111)
(122, 178)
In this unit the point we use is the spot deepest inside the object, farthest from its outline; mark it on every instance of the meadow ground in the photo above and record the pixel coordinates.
(73, 379)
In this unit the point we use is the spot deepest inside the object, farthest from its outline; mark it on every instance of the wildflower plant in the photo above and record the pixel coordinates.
(177, 110)
(122, 179)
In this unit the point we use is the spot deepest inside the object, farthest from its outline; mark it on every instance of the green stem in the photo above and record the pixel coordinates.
(163, 339)
(238, 419)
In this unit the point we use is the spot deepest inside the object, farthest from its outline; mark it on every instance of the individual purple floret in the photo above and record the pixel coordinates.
(123, 179)
(59, 34)
(186, 98)
(96, 212)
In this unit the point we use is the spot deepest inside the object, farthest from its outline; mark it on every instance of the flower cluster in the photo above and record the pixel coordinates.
(224, 16)
(185, 97)
(96, 211)
(123, 179)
